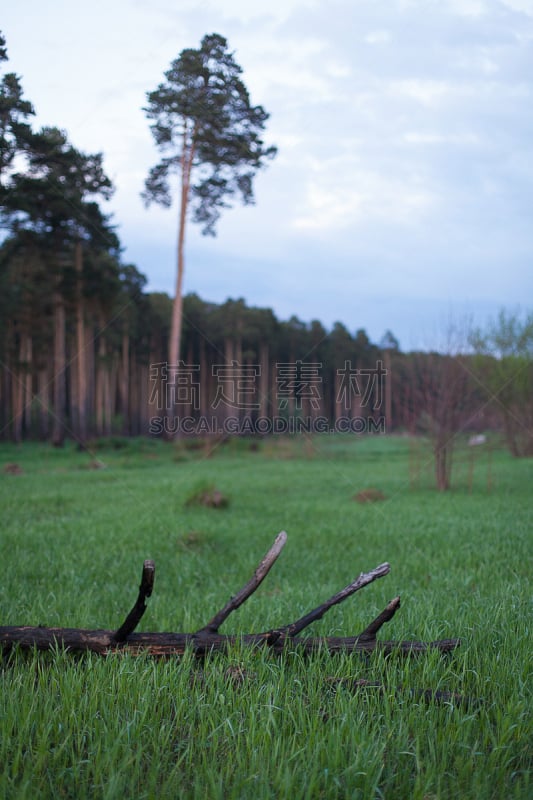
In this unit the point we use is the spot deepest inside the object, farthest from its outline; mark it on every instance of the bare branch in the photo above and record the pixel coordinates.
(260, 573)
(317, 613)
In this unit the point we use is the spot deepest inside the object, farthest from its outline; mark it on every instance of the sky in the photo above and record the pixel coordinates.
(402, 193)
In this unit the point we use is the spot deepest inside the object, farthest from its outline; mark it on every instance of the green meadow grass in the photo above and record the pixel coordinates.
(76, 527)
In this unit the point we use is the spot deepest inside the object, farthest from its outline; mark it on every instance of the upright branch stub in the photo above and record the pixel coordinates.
(369, 633)
(237, 600)
(134, 617)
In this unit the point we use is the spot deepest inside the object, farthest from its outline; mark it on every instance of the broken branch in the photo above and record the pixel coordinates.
(260, 573)
(317, 613)
(134, 617)
(386, 615)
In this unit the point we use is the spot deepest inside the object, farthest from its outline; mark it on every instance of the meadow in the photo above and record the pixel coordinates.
(76, 526)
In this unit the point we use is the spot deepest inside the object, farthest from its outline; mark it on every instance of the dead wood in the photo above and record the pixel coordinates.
(237, 600)
(13, 469)
(369, 496)
(135, 615)
(207, 639)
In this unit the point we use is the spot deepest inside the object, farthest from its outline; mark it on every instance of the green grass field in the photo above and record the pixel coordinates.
(247, 724)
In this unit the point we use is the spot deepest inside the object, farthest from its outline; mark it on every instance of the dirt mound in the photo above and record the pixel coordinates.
(13, 469)
(369, 496)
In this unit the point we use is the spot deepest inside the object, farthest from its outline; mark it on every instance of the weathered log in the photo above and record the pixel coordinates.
(103, 642)
(207, 639)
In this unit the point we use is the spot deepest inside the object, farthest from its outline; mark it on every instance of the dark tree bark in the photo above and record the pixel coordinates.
(60, 360)
(81, 359)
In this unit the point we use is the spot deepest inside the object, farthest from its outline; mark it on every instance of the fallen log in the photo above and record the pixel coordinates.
(208, 639)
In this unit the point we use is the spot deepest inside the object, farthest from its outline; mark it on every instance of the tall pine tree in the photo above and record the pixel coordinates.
(209, 133)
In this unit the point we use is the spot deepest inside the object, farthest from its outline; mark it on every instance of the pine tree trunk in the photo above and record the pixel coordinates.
(5, 397)
(17, 384)
(91, 376)
(100, 383)
(58, 431)
(108, 400)
(177, 307)
(81, 360)
(28, 383)
(22, 386)
(237, 357)
(125, 385)
(226, 385)
(204, 380)
(338, 407)
(388, 390)
(44, 402)
(144, 398)
(264, 382)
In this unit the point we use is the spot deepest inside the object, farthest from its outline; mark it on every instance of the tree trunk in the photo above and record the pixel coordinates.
(81, 360)
(144, 400)
(388, 390)
(204, 379)
(58, 432)
(226, 384)
(442, 465)
(28, 382)
(125, 384)
(177, 308)
(264, 382)
(109, 396)
(44, 402)
(5, 396)
(100, 392)
(17, 385)
(22, 385)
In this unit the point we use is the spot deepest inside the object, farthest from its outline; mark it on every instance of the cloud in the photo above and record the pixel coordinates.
(291, 69)
(378, 37)
(524, 6)
(426, 91)
(333, 203)
(421, 138)
(468, 8)
(247, 12)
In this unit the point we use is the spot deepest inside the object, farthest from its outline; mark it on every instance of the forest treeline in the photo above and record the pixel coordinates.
(84, 346)
(238, 362)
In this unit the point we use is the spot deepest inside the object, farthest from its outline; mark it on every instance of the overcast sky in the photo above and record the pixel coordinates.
(403, 188)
